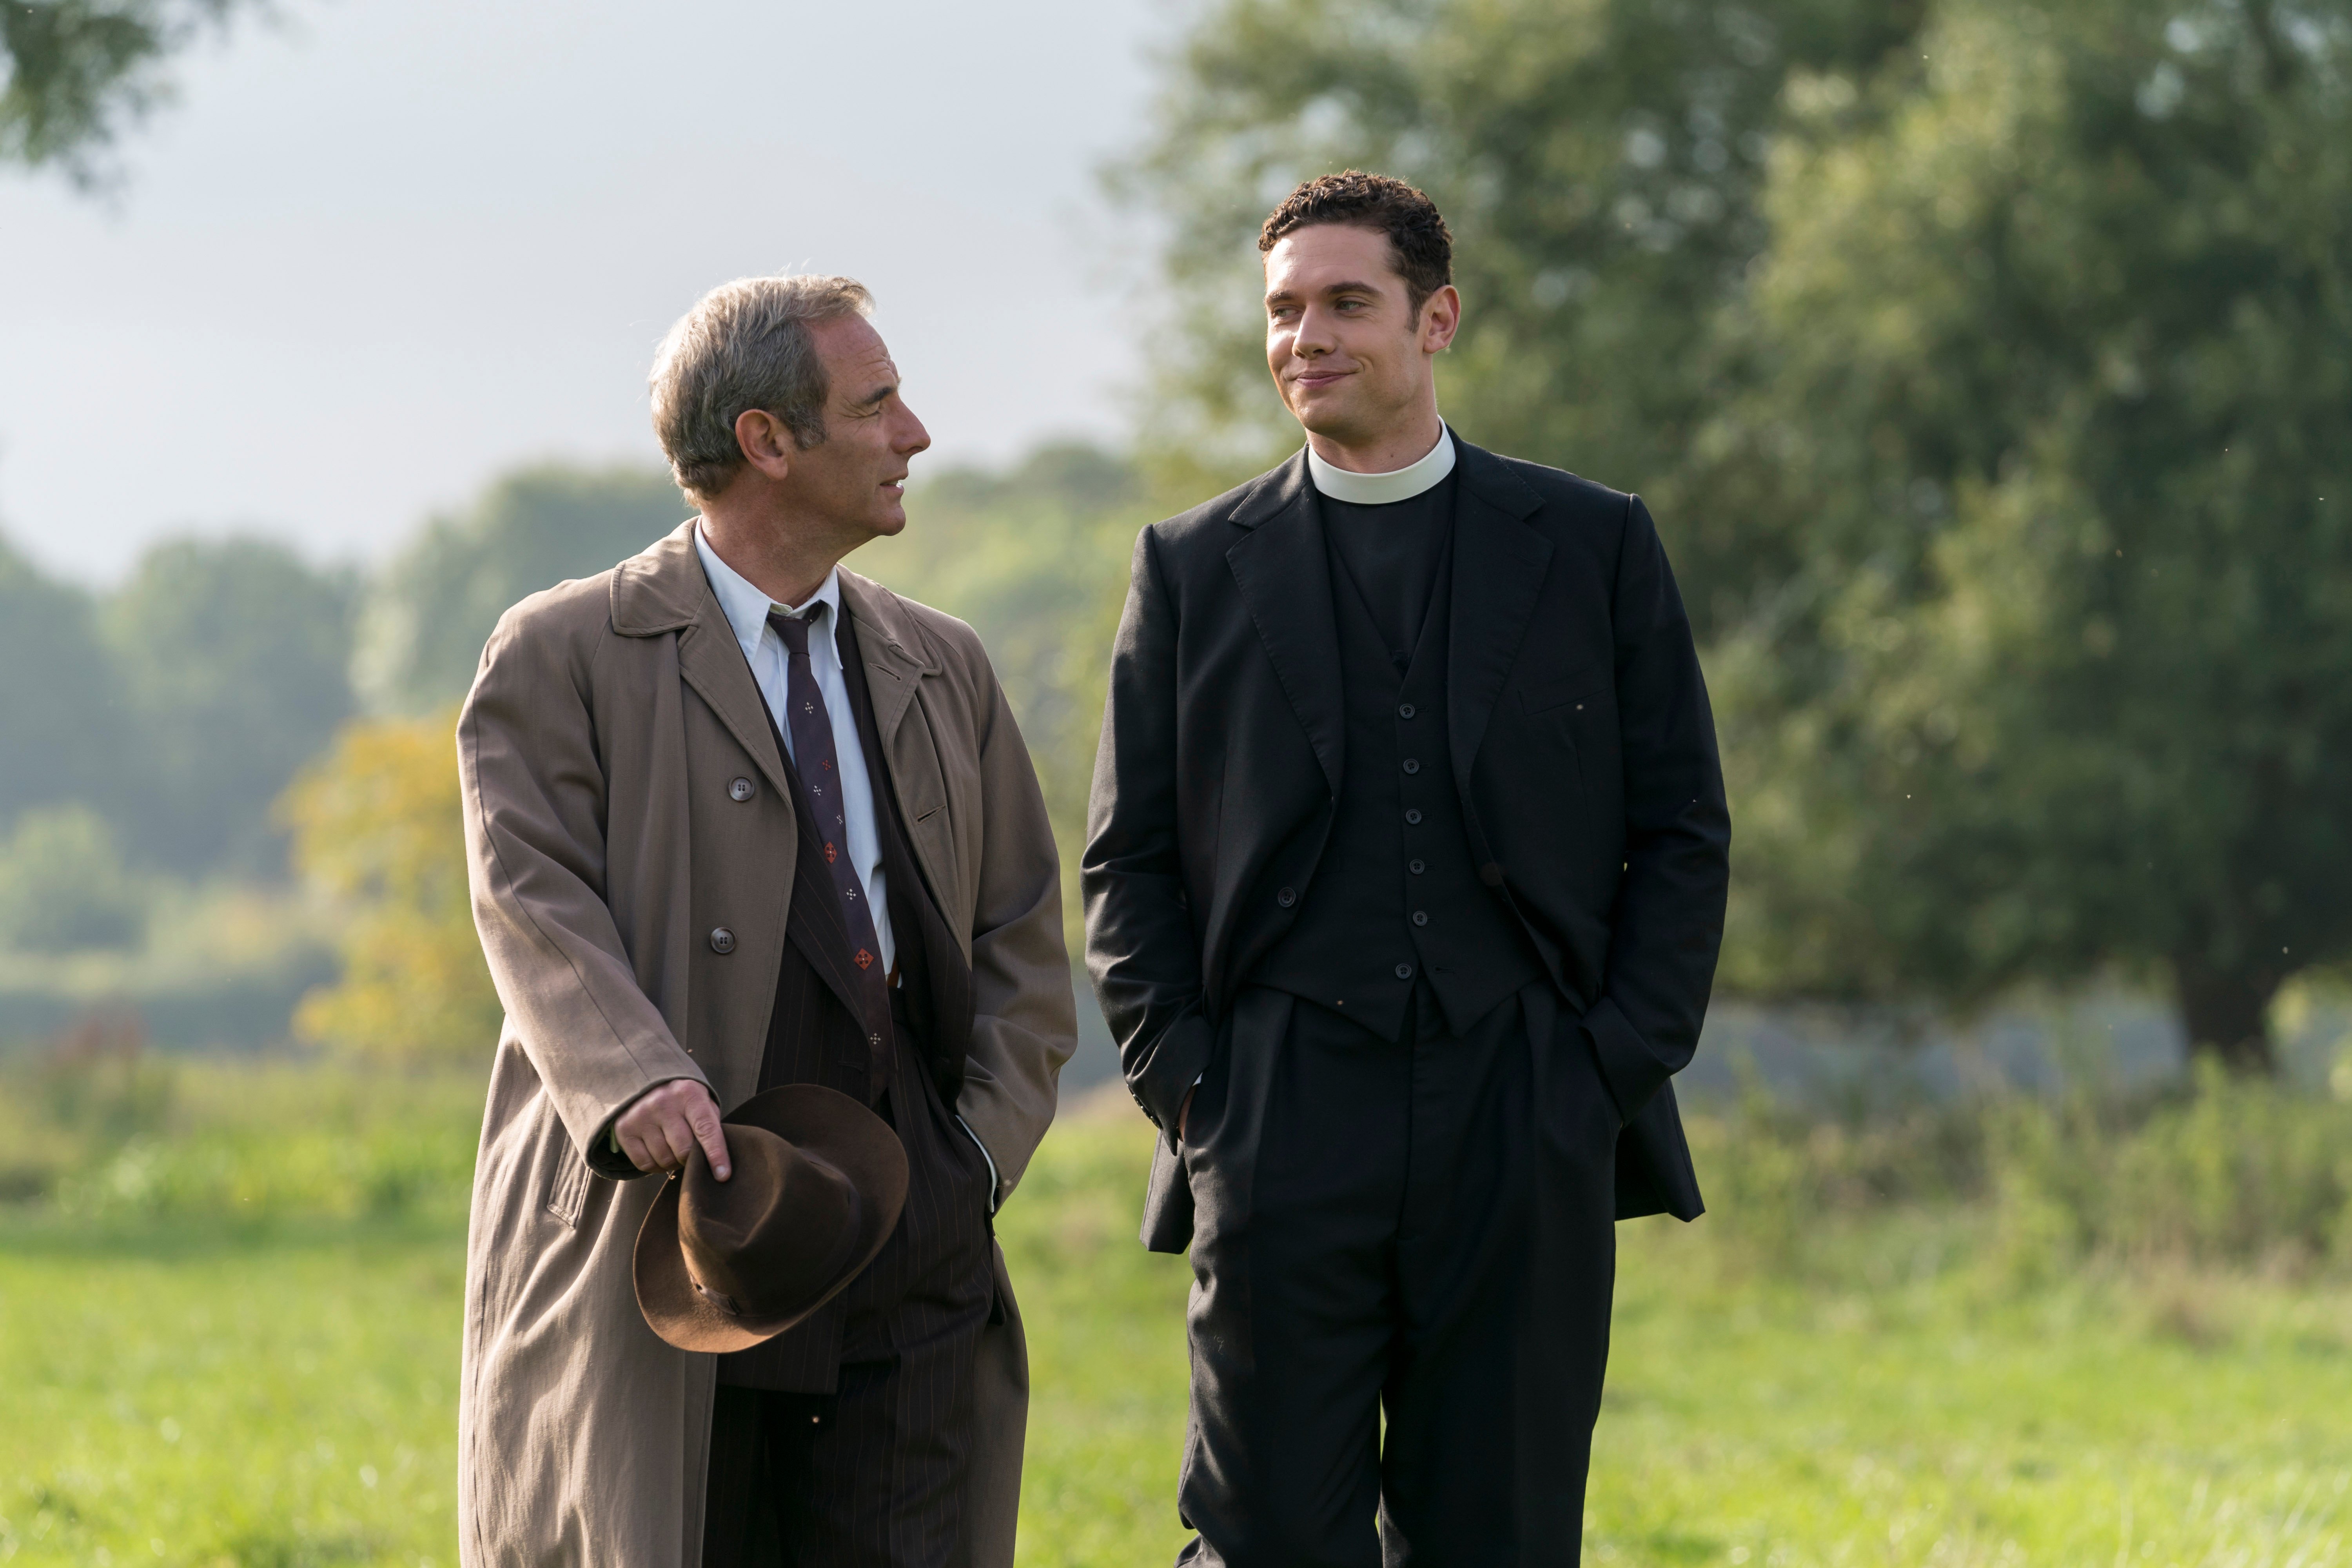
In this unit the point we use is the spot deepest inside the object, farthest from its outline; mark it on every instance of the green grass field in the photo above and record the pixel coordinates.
(227, 1375)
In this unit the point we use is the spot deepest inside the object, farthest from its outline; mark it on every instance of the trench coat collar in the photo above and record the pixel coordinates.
(1284, 574)
(664, 589)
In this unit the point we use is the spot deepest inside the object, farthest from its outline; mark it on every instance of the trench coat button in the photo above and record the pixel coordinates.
(1415, 866)
(741, 789)
(1413, 816)
(1404, 972)
(1411, 766)
(722, 941)
(1288, 897)
(1421, 917)
(1405, 710)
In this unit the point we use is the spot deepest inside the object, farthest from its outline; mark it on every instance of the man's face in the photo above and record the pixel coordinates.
(855, 479)
(1350, 356)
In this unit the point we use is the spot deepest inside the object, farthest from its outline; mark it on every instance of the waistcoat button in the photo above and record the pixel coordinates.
(722, 940)
(1411, 766)
(1413, 816)
(1404, 972)
(1421, 917)
(1288, 897)
(1415, 866)
(1405, 710)
(741, 789)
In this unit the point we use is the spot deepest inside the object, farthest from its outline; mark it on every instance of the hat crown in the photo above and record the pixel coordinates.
(774, 1233)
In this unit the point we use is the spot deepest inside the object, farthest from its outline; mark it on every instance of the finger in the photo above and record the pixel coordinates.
(635, 1148)
(677, 1138)
(703, 1117)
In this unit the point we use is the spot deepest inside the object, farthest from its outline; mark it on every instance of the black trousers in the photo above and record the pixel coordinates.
(1427, 1234)
(863, 1477)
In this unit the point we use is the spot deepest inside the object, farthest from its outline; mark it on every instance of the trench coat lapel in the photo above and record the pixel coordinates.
(1285, 580)
(1498, 574)
(665, 590)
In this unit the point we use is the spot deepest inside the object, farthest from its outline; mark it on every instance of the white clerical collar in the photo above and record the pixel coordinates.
(1380, 490)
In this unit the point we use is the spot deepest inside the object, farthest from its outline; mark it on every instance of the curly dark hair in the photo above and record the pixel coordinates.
(1420, 244)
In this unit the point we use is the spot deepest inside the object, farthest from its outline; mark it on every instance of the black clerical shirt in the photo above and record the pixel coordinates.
(1391, 554)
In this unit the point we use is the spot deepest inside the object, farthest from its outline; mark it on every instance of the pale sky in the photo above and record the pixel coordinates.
(378, 254)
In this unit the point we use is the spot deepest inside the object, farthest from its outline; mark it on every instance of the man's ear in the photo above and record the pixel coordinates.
(1440, 318)
(767, 444)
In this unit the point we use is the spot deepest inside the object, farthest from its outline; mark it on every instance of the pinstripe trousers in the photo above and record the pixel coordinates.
(871, 1475)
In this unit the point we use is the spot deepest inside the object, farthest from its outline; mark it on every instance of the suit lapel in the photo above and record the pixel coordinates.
(1285, 578)
(1498, 574)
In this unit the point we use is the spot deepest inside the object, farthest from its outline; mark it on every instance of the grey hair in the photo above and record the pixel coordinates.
(745, 345)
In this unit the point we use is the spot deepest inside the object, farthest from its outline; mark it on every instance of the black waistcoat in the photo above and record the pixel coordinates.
(1396, 895)
(932, 1274)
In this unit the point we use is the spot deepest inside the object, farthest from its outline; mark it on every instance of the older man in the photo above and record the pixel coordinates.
(737, 819)
(1404, 884)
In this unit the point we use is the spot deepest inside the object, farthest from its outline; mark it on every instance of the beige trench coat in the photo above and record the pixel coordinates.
(605, 725)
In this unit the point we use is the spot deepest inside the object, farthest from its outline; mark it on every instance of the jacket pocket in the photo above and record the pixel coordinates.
(1579, 687)
(567, 1190)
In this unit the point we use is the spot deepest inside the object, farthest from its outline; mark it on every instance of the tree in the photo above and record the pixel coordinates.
(233, 654)
(1600, 162)
(2054, 395)
(78, 72)
(63, 887)
(61, 709)
(378, 828)
(422, 626)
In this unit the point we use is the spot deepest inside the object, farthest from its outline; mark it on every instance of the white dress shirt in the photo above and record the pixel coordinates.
(747, 608)
(747, 612)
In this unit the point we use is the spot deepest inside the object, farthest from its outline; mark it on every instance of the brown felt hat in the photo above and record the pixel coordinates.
(817, 1186)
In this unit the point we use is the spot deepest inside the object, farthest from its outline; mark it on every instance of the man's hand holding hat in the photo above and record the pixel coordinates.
(660, 1131)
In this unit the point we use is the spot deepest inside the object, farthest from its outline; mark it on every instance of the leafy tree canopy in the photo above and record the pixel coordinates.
(2052, 394)
(62, 705)
(75, 73)
(233, 656)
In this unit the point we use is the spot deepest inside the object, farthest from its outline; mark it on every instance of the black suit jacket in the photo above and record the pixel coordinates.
(1583, 745)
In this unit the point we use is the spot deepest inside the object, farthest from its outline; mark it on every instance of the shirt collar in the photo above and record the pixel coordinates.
(747, 607)
(1396, 485)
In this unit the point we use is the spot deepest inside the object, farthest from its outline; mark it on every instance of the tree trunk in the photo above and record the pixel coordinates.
(2227, 1012)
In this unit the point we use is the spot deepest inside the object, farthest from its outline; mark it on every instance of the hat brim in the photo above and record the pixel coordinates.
(822, 1123)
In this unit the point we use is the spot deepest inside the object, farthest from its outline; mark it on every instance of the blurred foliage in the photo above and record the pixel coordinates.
(78, 72)
(94, 1089)
(377, 829)
(232, 654)
(425, 617)
(2052, 396)
(63, 885)
(1989, 367)
(1033, 557)
(176, 706)
(102, 1131)
(61, 704)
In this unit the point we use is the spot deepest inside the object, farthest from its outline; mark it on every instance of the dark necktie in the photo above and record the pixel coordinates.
(819, 767)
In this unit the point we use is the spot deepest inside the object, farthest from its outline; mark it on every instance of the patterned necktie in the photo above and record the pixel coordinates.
(819, 766)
